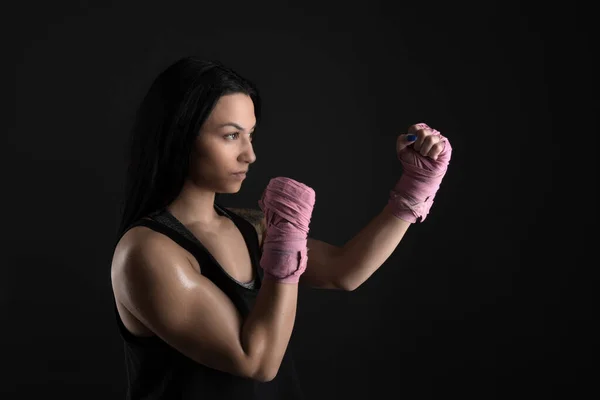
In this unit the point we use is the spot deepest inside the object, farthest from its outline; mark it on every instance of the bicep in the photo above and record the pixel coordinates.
(185, 309)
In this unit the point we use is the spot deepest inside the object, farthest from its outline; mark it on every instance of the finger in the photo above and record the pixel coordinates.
(421, 136)
(404, 141)
(436, 150)
(417, 127)
(421, 130)
(440, 146)
(428, 143)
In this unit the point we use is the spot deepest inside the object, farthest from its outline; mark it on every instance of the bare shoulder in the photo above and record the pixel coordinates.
(153, 279)
(138, 238)
(140, 242)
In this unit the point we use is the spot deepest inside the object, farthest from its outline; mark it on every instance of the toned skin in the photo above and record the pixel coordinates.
(159, 287)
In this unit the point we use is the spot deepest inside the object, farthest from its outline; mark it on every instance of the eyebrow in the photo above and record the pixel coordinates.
(234, 125)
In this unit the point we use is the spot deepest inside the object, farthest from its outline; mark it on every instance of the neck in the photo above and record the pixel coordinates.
(194, 205)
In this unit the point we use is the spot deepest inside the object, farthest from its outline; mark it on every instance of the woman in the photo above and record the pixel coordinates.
(205, 305)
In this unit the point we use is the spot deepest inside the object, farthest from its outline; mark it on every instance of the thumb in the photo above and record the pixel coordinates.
(405, 141)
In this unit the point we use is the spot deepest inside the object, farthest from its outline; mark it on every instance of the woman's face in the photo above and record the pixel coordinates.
(222, 149)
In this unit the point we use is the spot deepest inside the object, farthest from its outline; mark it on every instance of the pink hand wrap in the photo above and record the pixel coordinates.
(287, 205)
(412, 196)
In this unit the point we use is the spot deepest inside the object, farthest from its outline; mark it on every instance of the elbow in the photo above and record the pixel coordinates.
(344, 279)
(347, 286)
(351, 288)
(265, 375)
(262, 371)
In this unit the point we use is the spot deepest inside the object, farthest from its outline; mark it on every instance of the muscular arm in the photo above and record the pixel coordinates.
(158, 285)
(346, 267)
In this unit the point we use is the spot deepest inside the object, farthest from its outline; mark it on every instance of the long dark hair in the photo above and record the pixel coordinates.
(167, 122)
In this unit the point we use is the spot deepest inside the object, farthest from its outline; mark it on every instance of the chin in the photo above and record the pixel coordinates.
(231, 189)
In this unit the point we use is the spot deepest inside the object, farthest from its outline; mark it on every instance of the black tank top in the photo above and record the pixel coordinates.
(155, 370)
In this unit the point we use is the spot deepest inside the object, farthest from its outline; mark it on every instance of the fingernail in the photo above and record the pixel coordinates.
(411, 138)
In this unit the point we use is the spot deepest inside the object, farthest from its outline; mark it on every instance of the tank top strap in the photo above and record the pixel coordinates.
(172, 227)
(168, 230)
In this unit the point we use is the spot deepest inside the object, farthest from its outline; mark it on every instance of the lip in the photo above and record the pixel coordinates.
(239, 175)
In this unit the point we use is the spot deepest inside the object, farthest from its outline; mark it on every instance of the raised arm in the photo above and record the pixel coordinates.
(156, 282)
(425, 158)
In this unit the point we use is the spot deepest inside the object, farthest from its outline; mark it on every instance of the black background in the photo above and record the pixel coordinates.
(490, 297)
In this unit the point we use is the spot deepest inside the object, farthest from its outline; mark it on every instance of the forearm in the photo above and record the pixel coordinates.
(369, 249)
(268, 328)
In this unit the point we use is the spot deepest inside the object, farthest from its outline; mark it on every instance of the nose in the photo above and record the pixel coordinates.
(247, 153)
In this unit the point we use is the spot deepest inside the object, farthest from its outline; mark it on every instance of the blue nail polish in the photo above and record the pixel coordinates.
(411, 138)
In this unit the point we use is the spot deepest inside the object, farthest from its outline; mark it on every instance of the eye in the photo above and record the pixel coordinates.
(236, 134)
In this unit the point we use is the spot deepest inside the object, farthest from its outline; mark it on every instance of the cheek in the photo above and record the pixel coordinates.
(209, 161)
